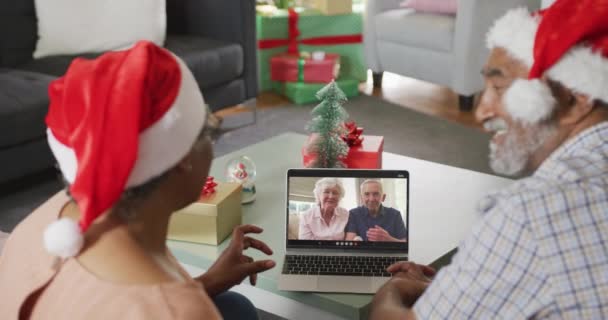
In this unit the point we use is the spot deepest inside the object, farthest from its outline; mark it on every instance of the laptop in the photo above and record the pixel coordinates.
(347, 251)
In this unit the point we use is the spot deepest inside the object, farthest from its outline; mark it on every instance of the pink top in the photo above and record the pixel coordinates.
(69, 291)
(314, 227)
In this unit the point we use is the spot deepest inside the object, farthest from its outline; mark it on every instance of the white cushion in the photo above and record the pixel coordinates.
(80, 26)
(417, 30)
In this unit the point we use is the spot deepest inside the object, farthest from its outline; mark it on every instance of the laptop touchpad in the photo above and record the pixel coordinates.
(344, 284)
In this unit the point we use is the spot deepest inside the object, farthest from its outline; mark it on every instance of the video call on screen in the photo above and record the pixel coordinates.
(349, 211)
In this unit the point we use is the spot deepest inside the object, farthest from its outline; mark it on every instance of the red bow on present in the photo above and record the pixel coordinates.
(209, 187)
(353, 135)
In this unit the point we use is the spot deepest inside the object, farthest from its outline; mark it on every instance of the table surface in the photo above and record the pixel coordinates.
(442, 210)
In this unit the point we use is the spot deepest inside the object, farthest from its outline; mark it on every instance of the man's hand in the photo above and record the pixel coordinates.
(410, 280)
(419, 271)
(377, 233)
(232, 267)
(399, 294)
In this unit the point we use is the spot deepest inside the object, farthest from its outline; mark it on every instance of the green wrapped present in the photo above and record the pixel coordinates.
(304, 93)
(298, 30)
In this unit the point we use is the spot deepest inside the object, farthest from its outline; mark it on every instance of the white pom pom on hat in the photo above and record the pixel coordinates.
(63, 238)
(529, 101)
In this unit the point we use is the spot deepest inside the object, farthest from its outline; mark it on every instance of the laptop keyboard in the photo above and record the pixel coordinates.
(338, 265)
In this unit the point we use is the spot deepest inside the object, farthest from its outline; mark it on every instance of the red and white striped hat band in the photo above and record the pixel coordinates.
(568, 42)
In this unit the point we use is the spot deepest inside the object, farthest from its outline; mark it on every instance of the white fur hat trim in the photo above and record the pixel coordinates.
(515, 32)
(583, 71)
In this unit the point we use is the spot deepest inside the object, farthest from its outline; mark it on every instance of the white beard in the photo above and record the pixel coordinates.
(529, 103)
(513, 156)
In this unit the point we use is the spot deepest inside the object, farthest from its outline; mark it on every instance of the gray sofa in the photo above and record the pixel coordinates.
(216, 39)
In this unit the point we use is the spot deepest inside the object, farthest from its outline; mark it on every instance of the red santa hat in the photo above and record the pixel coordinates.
(568, 43)
(114, 123)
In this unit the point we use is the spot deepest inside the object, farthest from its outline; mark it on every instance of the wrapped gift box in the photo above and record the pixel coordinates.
(332, 7)
(368, 155)
(304, 93)
(211, 219)
(339, 34)
(293, 68)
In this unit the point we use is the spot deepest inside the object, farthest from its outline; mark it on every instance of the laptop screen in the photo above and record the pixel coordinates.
(348, 209)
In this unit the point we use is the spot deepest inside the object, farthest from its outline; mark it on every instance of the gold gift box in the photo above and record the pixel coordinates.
(333, 7)
(211, 219)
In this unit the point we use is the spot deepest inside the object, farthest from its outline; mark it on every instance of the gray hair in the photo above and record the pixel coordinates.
(368, 181)
(325, 183)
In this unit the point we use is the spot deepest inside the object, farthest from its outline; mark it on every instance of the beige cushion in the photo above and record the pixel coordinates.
(417, 30)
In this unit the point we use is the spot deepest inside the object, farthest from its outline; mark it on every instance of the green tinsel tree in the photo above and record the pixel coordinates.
(328, 124)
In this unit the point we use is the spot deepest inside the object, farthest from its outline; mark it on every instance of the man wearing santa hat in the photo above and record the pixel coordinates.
(540, 249)
(128, 132)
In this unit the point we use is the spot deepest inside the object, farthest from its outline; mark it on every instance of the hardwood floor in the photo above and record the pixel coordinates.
(406, 92)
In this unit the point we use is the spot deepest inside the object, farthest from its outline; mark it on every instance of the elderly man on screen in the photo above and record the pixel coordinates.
(540, 249)
(373, 221)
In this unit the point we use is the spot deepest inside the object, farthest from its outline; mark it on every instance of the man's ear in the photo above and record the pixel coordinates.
(383, 197)
(579, 106)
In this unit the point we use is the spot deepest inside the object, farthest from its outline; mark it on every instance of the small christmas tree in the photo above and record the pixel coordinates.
(328, 125)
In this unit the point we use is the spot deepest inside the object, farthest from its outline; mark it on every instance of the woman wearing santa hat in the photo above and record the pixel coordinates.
(128, 132)
(540, 248)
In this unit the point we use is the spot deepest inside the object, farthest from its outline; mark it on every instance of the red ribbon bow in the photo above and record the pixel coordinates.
(292, 42)
(353, 135)
(209, 187)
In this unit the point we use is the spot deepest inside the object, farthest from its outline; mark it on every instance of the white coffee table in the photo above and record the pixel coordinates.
(442, 210)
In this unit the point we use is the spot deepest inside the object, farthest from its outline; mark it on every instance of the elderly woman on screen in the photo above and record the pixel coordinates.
(326, 220)
(128, 132)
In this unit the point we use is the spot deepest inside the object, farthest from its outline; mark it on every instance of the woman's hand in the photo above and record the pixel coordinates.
(232, 266)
